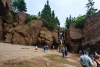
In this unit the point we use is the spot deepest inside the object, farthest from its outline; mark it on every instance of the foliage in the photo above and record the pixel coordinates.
(48, 17)
(39, 14)
(14, 13)
(5, 17)
(79, 21)
(90, 9)
(69, 20)
(11, 25)
(19, 5)
(32, 17)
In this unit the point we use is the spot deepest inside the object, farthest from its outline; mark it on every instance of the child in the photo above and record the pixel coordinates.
(36, 48)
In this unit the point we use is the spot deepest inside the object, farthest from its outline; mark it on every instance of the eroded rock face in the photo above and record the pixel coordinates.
(8, 37)
(5, 7)
(75, 33)
(55, 36)
(74, 38)
(45, 37)
(20, 18)
(14, 30)
(91, 30)
(27, 34)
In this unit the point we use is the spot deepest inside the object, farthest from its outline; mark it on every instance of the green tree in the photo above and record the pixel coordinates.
(90, 8)
(39, 14)
(46, 12)
(48, 17)
(69, 20)
(57, 21)
(19, 5)
(79, 21)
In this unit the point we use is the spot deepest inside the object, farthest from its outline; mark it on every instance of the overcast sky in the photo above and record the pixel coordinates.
(62, 8)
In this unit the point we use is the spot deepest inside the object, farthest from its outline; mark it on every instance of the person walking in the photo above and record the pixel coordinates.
(53, 47)
(85, 60)
(45, 47)
(66, 53)
(63, 52)
(92, 56)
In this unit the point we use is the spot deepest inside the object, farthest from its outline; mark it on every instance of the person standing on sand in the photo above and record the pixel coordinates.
(45, 47)
(63, 52)
(85, 60)
(36, 48)
(53, 47)
(66, 53)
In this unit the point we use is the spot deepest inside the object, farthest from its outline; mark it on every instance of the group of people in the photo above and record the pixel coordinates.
(64, 51)
(87, 60)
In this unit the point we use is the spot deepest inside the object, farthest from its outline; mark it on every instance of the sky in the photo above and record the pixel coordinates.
(62, 8)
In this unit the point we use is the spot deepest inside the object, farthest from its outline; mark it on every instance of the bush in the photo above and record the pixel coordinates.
(33, 17)
(79, 21)
(51, 25)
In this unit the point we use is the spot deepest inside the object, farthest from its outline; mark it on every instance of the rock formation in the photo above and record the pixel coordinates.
(91, 32)
(87, 38)
(14, 30)
(5, 7)
(1, 32)
(17, 32)
(74, 35)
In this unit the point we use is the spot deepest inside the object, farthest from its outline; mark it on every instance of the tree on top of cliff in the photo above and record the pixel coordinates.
(69, 20)
(79, 21)
(48, 17)
(19, 5)
(90, 9)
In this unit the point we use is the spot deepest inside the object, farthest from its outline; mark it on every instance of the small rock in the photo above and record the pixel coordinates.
(47, 64)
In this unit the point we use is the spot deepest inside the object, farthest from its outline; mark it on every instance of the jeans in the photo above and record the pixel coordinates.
(63, 54)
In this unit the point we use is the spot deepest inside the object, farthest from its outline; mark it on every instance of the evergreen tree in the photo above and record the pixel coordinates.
(19, 5)
(79, 21)
(39, 14)
(48, 17)
(90, 9)
(57, 21)
(53, 14)
(69, 20)
(46, 12)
